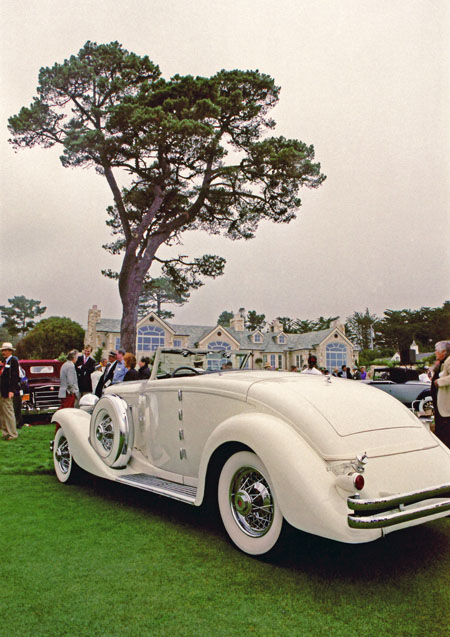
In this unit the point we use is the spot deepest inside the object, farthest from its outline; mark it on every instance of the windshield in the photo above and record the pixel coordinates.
(166, 361)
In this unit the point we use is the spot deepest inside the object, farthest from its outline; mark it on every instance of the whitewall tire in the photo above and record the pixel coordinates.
(248, 506)
(66, 468)
(111, 431)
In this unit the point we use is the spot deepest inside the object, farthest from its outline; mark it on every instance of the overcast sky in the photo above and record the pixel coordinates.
(365, 81)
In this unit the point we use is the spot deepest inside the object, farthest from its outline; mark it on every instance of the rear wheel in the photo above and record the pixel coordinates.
(66, 468)
(248, 506)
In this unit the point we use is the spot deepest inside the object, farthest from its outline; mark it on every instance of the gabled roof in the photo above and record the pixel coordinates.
(108, 325)
(196, 333)
(309, 339)
(152, 317)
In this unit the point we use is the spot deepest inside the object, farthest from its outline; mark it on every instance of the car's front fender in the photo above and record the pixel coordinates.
(305, 490)
(75, 424)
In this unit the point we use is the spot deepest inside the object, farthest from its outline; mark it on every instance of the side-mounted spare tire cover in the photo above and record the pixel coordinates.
(111, 431)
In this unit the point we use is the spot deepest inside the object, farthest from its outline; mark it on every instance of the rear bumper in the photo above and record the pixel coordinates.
(402, 508)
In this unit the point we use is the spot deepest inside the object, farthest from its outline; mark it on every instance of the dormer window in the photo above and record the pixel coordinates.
(257, 338)
(282, 339)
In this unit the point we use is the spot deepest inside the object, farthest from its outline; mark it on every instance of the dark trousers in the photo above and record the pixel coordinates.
(442, 428)
(17, 404)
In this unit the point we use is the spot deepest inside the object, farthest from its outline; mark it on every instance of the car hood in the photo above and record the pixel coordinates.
(342, 417)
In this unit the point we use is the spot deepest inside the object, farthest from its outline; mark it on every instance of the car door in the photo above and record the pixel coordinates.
(162, 438)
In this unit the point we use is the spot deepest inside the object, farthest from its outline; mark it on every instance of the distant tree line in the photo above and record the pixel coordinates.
(376, 336)
(395, 331)
(47, 338)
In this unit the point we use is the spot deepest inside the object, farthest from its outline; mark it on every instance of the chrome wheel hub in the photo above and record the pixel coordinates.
(251, 502)
(62, 455)
(105, 434)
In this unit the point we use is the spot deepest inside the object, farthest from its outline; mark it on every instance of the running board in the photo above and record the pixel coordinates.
(174, 490)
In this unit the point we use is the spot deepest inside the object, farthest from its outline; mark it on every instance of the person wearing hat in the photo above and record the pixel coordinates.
(108, 374)
(9, 385)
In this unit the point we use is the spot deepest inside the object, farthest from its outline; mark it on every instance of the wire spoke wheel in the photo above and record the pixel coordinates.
(62, 455)
(251, 502)
(65, 466)
(248, 505)
(104, 432)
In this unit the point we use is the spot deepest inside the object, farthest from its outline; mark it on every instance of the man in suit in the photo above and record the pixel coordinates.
(108, 374)
(9, 385)
(85, 365)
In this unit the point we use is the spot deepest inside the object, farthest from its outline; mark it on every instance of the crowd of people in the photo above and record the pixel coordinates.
(356, 373)
(81, 374)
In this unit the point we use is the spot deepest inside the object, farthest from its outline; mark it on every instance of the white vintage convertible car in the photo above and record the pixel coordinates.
(330, 456)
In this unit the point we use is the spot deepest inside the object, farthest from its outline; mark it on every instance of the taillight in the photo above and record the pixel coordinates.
(358, 481)
(350, 482)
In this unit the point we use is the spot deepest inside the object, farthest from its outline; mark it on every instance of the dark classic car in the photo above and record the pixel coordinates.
(40, 386)
(403, 383)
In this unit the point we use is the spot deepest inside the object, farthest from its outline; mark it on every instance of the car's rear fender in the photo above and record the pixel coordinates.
(305, 490)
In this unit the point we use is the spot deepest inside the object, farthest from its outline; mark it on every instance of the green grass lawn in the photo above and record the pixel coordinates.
(100, 558)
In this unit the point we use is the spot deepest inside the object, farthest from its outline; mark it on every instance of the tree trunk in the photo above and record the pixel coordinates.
(129, 321)
(131, 279)
(130, 286)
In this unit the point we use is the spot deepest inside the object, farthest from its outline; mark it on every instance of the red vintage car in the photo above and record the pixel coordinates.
(40, 386)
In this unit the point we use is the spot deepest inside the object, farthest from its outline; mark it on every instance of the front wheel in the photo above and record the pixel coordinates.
(426, 405)
(248, 506)
(66, 468)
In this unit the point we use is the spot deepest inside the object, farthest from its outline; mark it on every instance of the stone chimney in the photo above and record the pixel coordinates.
(237, 323)
(338, 324)
(90, 336)
(276, 326)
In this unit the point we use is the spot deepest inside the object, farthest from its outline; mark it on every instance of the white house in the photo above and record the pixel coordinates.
(271, 345)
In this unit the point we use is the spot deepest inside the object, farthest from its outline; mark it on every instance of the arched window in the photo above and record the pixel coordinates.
(218, 346)
(336, 354)
(150, 337)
